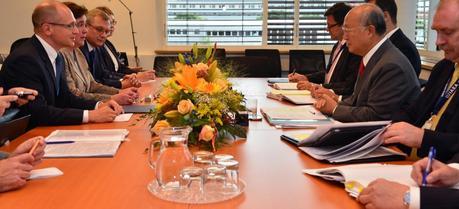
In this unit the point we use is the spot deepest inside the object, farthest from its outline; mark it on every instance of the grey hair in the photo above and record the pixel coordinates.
(97, 12)
(373, 15)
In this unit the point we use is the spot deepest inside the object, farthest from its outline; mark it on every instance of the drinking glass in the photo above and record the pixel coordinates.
(252, 108)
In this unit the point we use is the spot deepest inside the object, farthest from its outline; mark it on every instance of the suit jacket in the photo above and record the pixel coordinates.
(446, 136)
(29, 66)
(99, 69)
(387, 84)
(439, 198)
(345, 74)
(80, 80)
(407, 47)
(122, 68)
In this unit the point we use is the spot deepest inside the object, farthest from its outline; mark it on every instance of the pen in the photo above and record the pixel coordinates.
(312, 112)
(34, 147)
(60, 142)
(294, 71)
(432, 152)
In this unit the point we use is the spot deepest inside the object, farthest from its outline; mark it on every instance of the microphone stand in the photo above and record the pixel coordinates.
(136, 57)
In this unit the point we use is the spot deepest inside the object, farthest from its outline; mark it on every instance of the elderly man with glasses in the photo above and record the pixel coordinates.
(386, 80)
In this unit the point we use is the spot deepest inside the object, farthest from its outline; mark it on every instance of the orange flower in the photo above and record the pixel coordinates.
(188, 79)
(185, 106)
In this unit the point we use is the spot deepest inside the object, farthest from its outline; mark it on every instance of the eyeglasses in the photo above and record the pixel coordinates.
(101, 29)
(69, 26)
(329, 27)
(349, 30)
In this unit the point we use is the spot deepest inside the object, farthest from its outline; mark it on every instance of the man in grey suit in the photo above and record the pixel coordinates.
(386, 79)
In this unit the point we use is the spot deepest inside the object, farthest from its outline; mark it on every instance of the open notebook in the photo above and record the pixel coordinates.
(84, 143)
(285, 86)
(346, 143)
(357, 177)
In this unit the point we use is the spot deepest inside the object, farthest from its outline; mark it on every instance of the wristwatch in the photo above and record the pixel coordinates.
(407, 199)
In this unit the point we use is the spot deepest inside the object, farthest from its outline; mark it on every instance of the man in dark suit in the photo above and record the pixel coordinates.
(342, 66)
(436, 112)
(37, 64)
(395, 34)
(433, 120)
(386, 80)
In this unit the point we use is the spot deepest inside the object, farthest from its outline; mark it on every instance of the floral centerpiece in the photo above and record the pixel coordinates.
(199, 95)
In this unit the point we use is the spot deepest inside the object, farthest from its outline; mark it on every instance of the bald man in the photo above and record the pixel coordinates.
(386, 80)
(37, 64)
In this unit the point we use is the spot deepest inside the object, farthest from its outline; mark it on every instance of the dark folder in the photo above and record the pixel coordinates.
(138, 108)
(11, 129)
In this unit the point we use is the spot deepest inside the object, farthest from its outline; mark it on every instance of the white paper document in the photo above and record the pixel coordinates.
(88, 135)
(82, 149)
(285, 86)
(123, 117)
(45, 173)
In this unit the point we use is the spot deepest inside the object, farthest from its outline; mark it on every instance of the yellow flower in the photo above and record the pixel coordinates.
(185, 106)
(172, 114)
(207, 133)
(160, 125)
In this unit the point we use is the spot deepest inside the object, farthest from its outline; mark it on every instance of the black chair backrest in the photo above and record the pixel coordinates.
(163, 64)
(17, 43)
(273, 56)
(220, 53)
(246, 66)
(124, 59)
(306, 61)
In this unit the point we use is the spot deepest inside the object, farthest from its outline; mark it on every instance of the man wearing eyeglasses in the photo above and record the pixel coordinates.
(37, 64)
(386, 80)
(341, 72)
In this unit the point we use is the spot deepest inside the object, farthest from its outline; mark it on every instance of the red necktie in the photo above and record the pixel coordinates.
(361, 68)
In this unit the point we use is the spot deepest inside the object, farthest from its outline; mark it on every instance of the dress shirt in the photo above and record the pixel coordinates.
(52, 54)
(372, 51)
(390, 33)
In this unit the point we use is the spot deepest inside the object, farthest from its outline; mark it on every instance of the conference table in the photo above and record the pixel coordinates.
(271, 168)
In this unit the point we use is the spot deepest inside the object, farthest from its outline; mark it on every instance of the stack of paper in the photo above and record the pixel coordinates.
(84, 143)
(285, 86)
(298, 115)
(357, 177)
(278, 94)
(345, 143)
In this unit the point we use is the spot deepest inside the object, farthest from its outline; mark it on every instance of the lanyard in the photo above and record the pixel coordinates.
(445, 95)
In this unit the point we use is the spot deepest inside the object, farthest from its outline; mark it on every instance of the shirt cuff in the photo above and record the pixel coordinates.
(86, 116)
(415, 198)
(340, 98)
(454, 165)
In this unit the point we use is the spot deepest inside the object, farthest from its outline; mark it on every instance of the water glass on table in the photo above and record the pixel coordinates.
(252, 108)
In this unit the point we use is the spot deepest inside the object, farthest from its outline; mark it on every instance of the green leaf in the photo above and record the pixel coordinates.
(181, 58)
(208, 52)
(195, 50)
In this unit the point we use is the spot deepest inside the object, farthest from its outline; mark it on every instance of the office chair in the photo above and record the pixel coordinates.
(163, 64)
(246, 66)
(306, 61)
(123, 58)
(273, 59)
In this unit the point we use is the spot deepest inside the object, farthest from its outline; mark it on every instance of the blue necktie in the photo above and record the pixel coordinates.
(59, 70)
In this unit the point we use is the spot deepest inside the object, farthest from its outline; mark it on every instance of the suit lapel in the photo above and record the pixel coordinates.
(361, 80)
(341, 61)
(48, 65)
(331, 56)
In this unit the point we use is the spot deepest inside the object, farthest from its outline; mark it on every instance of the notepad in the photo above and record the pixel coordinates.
(123, 117)
(278, 94)
(297, 115)
(299, 99)
(357, 177)
(285, 86)
(45, 173)
(84, 143)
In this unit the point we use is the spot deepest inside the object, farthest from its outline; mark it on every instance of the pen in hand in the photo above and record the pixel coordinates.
(428, 169)
(34, 147)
